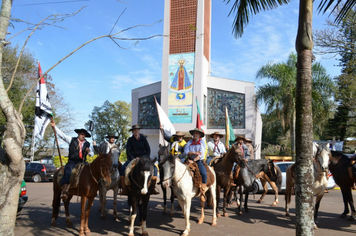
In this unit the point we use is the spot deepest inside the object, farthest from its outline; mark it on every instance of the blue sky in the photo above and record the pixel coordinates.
(102, 71)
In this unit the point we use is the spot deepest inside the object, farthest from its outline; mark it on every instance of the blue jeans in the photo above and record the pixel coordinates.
(208, 160)
(202, 170)
(68, 171)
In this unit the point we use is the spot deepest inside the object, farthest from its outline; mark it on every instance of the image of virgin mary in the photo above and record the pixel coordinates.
(181, 79)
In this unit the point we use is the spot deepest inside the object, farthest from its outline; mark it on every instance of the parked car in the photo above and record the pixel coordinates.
(37, 172)
(283, 165)
(23, 197)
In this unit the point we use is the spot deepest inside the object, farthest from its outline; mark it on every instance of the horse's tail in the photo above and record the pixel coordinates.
(289, 184)
(278, 177)
(209, 198)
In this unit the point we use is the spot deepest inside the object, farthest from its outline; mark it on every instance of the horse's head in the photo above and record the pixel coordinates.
(322, 156)
(116, 165)
(105, 164)
(145, 172)
(168, 166)
(163, 152)
(271, 168)
(238, 155)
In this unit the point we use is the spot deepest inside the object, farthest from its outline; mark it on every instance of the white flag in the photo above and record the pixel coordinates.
(167, 125)
(43, 109)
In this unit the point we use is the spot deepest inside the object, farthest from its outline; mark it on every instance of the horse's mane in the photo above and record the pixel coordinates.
(255, 165)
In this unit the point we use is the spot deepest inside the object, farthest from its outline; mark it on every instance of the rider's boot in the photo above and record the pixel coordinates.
(65, 188)
(152, 189)
(202, 192)
(123, 186)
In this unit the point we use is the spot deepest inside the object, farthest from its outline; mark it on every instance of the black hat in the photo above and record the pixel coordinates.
(197, 130)
(112, 135)
(78, 131)
(135, 127)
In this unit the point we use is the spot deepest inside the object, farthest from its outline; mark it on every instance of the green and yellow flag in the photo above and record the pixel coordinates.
(230, 136)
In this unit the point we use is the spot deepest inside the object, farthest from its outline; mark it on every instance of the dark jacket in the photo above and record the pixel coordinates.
(137, 148)
(74, 150)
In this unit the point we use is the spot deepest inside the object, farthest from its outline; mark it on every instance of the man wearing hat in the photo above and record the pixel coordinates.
(107, 145)
(176, 138)
(250, 148)
(216, 148)
(195, 150)
(244, 148)
(79, 148)
(137, 146)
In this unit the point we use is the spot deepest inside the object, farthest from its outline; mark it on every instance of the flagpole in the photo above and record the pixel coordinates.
(59, 152)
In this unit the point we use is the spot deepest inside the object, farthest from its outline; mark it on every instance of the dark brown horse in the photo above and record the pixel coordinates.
(223, 172)
(87, 189)
(338, 166)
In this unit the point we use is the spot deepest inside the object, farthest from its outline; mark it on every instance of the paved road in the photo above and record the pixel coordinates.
(262, 219)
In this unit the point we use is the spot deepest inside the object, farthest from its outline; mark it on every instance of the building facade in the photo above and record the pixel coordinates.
(186, 81)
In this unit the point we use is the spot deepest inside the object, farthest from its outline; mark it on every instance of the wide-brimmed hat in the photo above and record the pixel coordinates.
(179, 134)
(216, 133)
(197, 130)
(240, 137)
(248, 140)
(78, 131)
(135, 127)
(112, 135)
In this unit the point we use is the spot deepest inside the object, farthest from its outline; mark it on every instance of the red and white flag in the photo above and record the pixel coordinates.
(43, 109)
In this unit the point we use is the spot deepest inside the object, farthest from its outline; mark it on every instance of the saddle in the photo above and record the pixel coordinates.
(129, 169)
(74, 176)
(197, 179)
(216, 160)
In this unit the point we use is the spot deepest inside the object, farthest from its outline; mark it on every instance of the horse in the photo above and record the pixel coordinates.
(321, 155)
(163, 152)
(87, 188)
(139, 173)
(223, 172)
(274, 178)
(338, 166)
(178, 175)
(115, 183)
(246, 177)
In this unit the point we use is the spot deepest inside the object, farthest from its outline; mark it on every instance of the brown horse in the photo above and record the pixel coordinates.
(274, 178)
(87, 189)
(223, 172)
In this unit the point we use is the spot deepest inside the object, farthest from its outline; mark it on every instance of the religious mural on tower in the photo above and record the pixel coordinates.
(180, 92)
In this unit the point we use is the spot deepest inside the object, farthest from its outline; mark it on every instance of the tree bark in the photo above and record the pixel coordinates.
(304, 122)
(12, 166)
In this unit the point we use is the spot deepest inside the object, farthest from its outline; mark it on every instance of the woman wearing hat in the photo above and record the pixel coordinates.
(216, 148)
(195, 150)
(79, 148)
(176, 138)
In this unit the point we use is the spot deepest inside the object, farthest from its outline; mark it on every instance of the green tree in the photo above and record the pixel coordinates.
(304, 122)
(279, 95)
(112, 118)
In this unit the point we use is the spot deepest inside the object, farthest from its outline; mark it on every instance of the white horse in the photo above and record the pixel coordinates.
(321, 155)
(115, 181)
(178, 176)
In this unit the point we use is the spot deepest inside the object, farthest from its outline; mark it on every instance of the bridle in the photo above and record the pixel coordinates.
(171, 177)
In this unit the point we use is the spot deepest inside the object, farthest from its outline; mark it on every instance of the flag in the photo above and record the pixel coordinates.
(167, 125)
(200, 124)
(230, 136)
(43, 109)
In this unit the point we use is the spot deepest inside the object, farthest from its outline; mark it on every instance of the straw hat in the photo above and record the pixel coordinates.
(135, 127)
(247, 140)
(197, 130)
(179, 134)
(240, 137)
(216, 133)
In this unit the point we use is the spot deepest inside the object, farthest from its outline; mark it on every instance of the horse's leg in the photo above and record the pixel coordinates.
(212, 190)
(132, 206)
(172, 202)
(186, 212)
(239, 206)
(319, 196)
(264, 184)
(288, 191)
(226, 191)
(82, 215)
(247, 191)
(102, 201)
(145, 200)
(87, 213)
(346, 194)
(116, 190)
(275, 189)
(164, 191)
(66, 208)
(218, 189)
(352, 207)
(56, 202)
(202, 213)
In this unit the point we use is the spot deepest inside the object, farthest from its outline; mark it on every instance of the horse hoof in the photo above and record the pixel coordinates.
(200, 221)
(226, 215)
(87, 233)
(131, 234)
(145, 233)
(171, 214)
(259, 201)
(287, 214)
(315, 226)
(351, 218)
(53, 223)
(343, 216)
(214, 224)
(218, 215)
(240, 212)
(274, 204)
(184, 234)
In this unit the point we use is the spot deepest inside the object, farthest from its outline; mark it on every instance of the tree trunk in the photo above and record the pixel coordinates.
(304, 122)
(12, 166)
(292, 135)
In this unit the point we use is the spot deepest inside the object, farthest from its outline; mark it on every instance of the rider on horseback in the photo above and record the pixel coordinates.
(79, 148)
(176, 138)
(106, 146)
(216, 148)
(195, 150)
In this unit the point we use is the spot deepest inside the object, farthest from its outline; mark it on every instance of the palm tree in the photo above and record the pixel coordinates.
(304, 122)
(279, 95)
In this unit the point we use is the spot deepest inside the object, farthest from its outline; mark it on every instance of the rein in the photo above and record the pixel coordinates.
(171, 177)
(250, 170)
